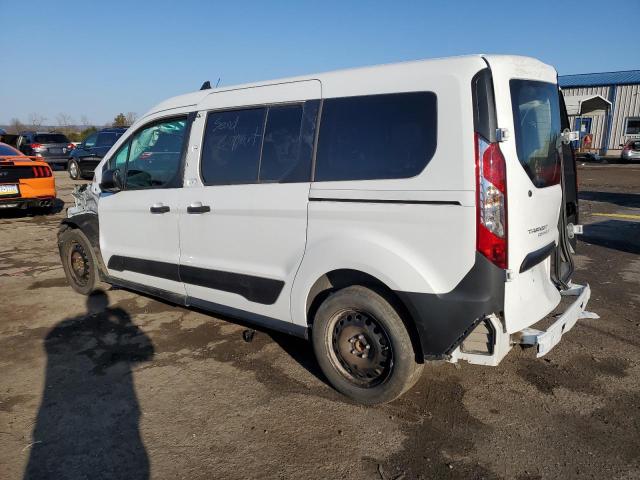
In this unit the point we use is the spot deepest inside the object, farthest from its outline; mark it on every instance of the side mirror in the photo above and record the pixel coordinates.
(111, 181)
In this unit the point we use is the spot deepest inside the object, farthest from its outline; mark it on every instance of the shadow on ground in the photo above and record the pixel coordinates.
(615, 234)
(629, 200)
(88, 422)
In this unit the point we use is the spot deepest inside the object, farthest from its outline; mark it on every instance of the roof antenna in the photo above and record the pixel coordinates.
(218, 82)
(206, 85)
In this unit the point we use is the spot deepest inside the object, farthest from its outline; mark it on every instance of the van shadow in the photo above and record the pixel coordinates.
(615, 234)
(88, 422)
(630, 200)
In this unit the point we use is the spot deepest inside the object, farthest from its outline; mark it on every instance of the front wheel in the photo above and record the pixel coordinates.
(363, 346)
(74, 170)
(79, 261)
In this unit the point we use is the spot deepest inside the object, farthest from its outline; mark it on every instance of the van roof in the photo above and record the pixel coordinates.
(458, 64)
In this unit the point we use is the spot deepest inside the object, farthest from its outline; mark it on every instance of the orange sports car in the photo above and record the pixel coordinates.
(25, 182)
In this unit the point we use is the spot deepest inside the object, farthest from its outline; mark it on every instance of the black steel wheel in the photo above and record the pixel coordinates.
(361, 351)
(78, 261)
(363, 347)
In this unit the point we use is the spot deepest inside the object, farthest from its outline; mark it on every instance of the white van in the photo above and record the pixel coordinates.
(393, 214)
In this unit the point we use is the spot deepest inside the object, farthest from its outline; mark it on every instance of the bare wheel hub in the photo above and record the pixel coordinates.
(79, 263)
(361, 348)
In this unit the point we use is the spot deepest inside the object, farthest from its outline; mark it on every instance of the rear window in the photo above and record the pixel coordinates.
(376, 136)
(51, 138)
(6, 150)
(536, 116)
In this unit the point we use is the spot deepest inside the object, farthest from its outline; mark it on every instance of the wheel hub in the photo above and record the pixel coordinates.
(362, 348)
(79, 264)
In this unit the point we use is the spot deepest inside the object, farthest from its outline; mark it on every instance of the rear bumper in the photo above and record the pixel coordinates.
(543, 340)
(26, 202)
(55, 160)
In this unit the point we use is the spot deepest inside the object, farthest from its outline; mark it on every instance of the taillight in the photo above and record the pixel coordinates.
(40, 172)
(71, 146)
(491, 175)
(35, 146)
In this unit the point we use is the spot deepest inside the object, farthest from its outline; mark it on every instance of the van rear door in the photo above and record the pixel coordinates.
(527, 108)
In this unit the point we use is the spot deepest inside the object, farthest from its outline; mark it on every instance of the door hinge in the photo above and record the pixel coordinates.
(502, 134)
(508, 275)
(573, 230)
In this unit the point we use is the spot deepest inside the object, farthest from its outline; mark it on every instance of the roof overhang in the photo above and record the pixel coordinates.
(586, 104)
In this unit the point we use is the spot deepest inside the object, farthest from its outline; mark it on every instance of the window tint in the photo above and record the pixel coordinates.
(536, 116)
(119, 160)
(633, 126)
(231, 148)
(281, 144)
(51, 138)
(106, 139)
(376, 136)
(90, 141)
(155, 155)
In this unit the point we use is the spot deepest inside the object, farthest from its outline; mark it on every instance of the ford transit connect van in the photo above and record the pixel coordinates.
(393, 215)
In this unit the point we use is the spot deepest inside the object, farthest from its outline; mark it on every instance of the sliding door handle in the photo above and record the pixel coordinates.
(198, 207)
(159, 208)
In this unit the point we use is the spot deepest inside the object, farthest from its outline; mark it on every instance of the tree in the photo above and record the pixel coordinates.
(131, 118)
(84, 121)
(120, 120)
(35, 121)
(16, 126)
(64, 120)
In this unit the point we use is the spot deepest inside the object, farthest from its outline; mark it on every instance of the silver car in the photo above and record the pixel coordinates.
(52, 147)
(630, 151)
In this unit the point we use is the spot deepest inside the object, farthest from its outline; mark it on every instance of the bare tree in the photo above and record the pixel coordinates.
(84, 121)
(36, 120)
(16, 126)
(64, 120)
(131, 118)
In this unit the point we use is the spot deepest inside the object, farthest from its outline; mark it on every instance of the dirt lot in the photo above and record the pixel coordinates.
(141, 388)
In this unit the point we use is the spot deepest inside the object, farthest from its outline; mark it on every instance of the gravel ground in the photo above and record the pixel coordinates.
(136, 388)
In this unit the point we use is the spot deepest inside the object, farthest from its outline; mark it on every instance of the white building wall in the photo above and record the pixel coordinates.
(627, 104)
(598, 122)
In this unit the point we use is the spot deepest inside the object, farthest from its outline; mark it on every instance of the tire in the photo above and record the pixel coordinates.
(79, 261)
(74, 170)
(363, 346)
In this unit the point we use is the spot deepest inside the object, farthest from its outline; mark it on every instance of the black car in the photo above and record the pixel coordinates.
(85, 157)
(53, 147)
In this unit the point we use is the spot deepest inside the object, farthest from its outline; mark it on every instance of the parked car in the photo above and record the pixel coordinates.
(85, 156)
(52, 147)
(365, 209)
(25, 182)
(630, 151)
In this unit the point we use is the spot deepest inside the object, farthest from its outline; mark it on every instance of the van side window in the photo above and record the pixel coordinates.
(376, 136)
(231, 147)
(281, 143)
(155, 155)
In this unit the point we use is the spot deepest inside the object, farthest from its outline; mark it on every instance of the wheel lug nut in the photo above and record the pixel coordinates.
(361, 337)
(368, 347)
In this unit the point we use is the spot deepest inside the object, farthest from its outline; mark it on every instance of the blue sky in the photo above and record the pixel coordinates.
(101, 58)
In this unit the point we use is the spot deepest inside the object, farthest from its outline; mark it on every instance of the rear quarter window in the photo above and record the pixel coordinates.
(376, 136)
(536, 117)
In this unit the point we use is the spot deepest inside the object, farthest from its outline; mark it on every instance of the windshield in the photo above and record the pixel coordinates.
(51, 138)
(536, 116)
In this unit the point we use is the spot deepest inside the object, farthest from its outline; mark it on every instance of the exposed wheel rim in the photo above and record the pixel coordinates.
(73, 170)
(360, 348)
(78, 264)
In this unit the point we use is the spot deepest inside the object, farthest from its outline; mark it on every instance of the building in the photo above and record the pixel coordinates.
(605, 105)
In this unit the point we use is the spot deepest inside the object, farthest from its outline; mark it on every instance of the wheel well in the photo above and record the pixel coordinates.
(338, 279)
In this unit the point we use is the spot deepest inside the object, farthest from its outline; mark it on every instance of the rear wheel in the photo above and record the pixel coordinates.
(363, 346)
(79, 261)
(74, 170)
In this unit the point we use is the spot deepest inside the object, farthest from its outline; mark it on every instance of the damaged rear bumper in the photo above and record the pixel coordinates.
(544, 340)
